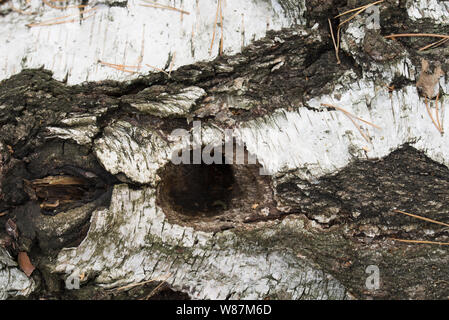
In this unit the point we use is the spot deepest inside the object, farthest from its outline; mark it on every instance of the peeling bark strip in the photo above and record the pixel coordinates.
(87, 179)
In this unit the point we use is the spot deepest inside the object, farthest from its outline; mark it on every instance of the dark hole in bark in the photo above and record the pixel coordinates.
(58, 192)
(198, 189)
(230, 192)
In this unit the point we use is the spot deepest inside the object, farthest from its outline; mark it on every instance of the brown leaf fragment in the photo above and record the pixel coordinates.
(428, 83)
(25, 264)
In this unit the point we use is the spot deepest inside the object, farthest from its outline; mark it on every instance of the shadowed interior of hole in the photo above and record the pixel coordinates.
(198, 189)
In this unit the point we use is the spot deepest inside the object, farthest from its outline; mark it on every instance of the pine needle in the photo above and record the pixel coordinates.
(132, 285)
(60, 22)
(351, 17)
(158, 69)
(155, 290)
(336, 47)
(352, 117)
(422, 218)
(359, 11)
(215, 25)
(119, 67)
(434, 35)
(19, 10)
(55, 21)
(367, 138)
(156, 5)
(434, 44)
(355, 9)
(221, 25)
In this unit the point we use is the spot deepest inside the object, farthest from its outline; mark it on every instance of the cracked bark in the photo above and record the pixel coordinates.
(307, 231)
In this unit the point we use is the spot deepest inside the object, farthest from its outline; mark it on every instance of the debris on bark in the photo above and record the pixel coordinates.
(87, 177)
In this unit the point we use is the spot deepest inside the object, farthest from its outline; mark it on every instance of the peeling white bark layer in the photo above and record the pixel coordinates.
(436, 10)
(132, 35)
(320, 143)
(13, 282)
(133, 242)
(120, 152)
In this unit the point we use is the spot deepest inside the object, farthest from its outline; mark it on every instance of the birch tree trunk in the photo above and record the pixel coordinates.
(343, 143)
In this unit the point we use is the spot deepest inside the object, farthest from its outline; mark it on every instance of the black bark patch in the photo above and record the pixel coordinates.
(367, 191)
